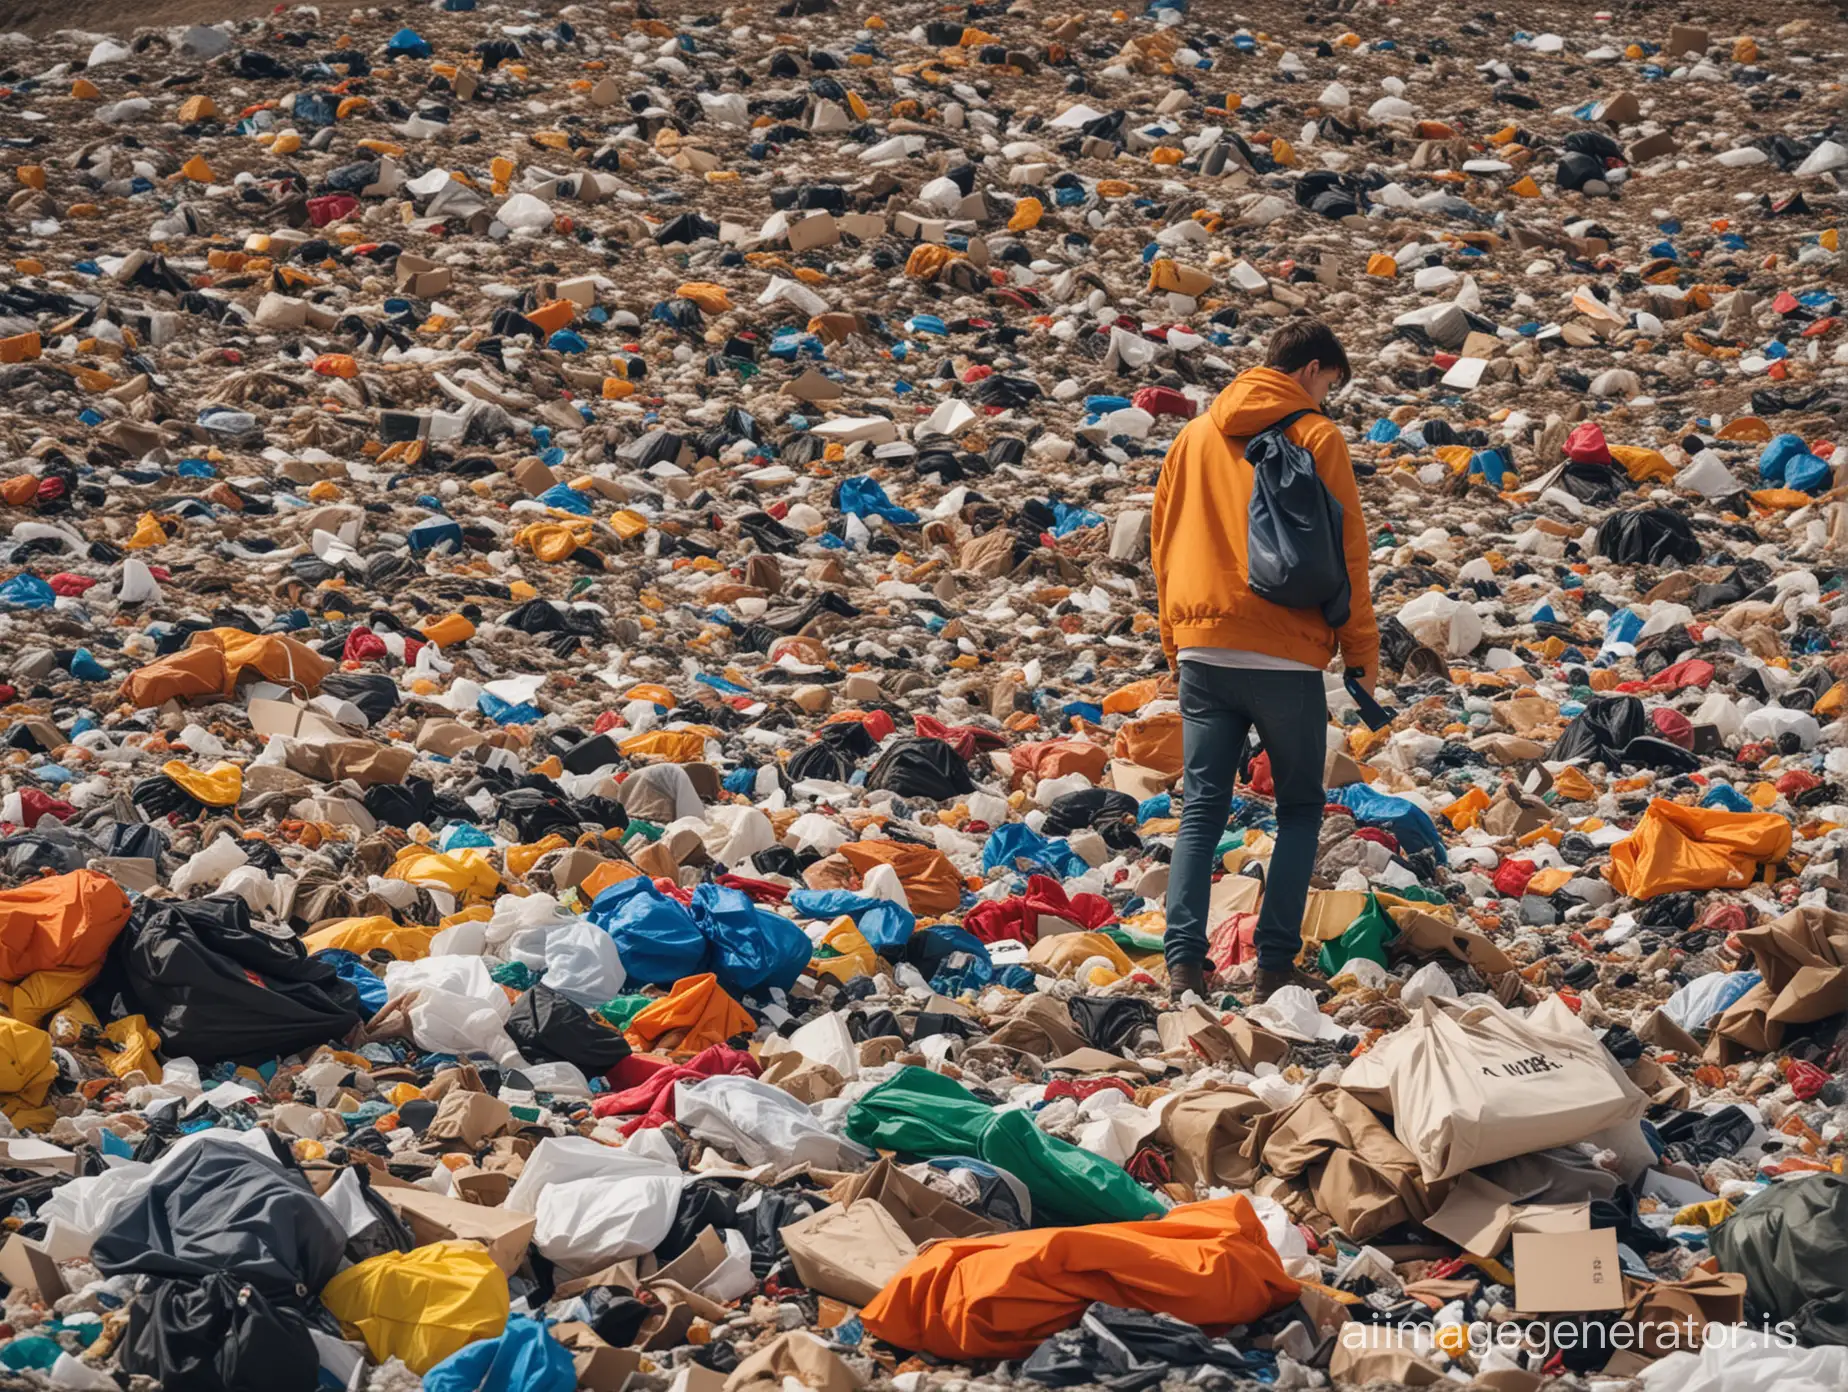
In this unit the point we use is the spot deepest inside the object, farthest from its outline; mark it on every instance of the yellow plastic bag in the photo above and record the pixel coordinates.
(459, 872)
(857, 957)
(408, 942)
(423, 1305)
(221, 787)
(26, 1075)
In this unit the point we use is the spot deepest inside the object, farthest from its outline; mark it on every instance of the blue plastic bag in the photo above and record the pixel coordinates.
(433, 532)
(1405, 820)
(863, 496)
(27, 591)
(408, 43)
(524, 1358)
(1778, 454)
(655, 936)
(1015, 842)
(352, 969)
(886, 926)
(751, 947)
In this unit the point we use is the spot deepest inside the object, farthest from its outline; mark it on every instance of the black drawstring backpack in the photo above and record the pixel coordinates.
(1295, 556)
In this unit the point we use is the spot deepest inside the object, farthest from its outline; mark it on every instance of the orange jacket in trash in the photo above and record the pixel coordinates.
(998, 1297)
(1200, 533)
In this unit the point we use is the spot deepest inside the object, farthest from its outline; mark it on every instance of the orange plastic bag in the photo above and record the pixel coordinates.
(60, 922)
(196, 671)
(1676, 847)
(999, 1296)
(698, 1014)
(931, 882)
(1154, 743)
(1127, 700)
(675, 746)
(275, 657)
(1056, 758)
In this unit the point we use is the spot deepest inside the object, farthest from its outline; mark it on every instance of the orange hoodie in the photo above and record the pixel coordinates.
(1199, 533)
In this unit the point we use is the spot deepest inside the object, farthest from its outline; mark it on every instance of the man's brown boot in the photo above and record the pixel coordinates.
(1269, 982)
(1187, 976)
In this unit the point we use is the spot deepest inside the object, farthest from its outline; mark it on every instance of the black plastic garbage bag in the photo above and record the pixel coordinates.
(1788, 1242)
(236, 1248)
(1578, 169)
(219, 1335)
(763, 1213)
(375, 694)
(1127, 1350)
(820, 760)
(1110, 1022)
(1598, 734)
(1110, 813)
(55, 852)
(135, 839)
(214, 986)
(1329, 194)
(1006, 392)
(543, 616)
(547, 1026)
(704, 1203)
(537, 813)
(1597, 484)
(402, 804)
(1770, 401)
(1648, 536)
(222, 1207)
(1665, 756)
(921, 767)
(851, 737)
(1700, 1138)
(159, 796)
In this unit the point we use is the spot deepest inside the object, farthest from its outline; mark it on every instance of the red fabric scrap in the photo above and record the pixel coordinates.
(653, 1096)
(1018, 918)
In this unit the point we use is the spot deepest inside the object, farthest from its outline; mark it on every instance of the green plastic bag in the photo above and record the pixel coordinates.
(926, 1115)
(1371, 933)
(623, 1009)
(1366, 936)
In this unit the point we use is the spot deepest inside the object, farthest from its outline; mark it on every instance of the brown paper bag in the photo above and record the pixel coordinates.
(1207, 1129)
(798, 1354)
(1803, 957)
(849, 1251)
(802, 1077)
(1040, 1025)
(469, 1117)
(923, 1213)
(1425, 932)
(437, 1218)
(1358, 1172)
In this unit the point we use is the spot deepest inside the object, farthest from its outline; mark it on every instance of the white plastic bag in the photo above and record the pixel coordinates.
(761, 1124)
(583, 965)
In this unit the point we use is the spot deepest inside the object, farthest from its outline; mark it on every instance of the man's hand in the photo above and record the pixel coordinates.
(1365, 679)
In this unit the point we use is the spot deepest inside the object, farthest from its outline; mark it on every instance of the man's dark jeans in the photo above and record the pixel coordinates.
(1219, 707)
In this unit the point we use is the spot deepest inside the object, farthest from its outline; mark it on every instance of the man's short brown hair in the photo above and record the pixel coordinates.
(1304, 341)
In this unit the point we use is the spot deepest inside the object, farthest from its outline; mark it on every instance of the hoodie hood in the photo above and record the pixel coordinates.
(1256, 400)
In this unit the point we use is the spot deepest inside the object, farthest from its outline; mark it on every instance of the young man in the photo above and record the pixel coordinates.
(1244, 662)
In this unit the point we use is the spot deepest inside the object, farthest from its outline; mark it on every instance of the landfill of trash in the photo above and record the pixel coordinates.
(589, 772)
